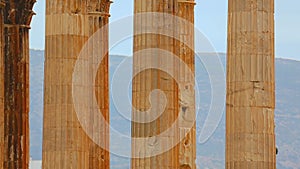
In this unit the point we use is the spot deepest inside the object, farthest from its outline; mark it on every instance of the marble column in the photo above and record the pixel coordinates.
(17, 19)
(66, 143)
(250, 134)
(166, 95)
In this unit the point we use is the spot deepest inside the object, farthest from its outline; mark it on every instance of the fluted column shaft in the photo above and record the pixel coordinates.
(17, 18)
(99, 157)
(146, 83)
(250, 135)
(185, 51)
(69, 25)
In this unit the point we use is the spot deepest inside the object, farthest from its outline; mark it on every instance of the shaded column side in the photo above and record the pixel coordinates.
(69, 25)
(2, 5)
(17, 18)
(250, 135)
(99, 157)
(185, 50)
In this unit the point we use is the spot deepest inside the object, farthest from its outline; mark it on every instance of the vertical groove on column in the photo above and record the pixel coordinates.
(69, 25)
(17, 18)
(250, 135)
(2, 4)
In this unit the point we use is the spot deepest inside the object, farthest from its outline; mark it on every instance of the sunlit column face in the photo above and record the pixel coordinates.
(76, 85)
(250, 136)
(163, 98)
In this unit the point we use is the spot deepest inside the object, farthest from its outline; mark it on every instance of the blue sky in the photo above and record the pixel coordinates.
(210, 19)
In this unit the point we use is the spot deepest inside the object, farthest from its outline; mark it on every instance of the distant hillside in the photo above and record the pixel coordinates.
(212, 153)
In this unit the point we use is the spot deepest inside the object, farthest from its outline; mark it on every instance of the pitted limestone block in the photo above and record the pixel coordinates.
(187, 105)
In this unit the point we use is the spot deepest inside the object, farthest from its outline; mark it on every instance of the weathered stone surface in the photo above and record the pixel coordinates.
(69, 25)
(187, 147)
(250, 137)
(175, 84)
(2, 4)
(17, 18)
